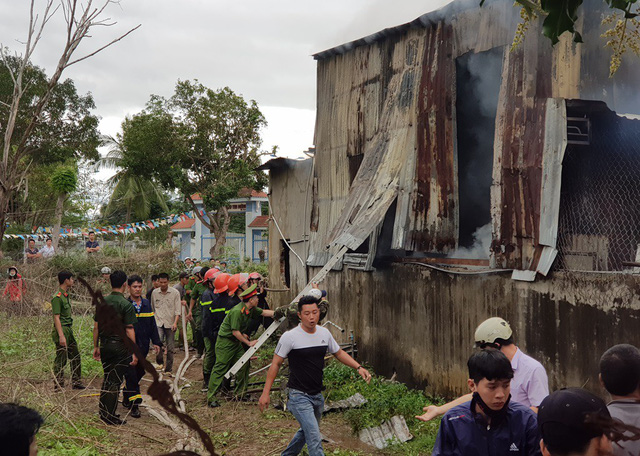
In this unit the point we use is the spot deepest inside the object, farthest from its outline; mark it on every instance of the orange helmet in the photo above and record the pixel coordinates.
(211, 274)
(234, 281)
(254, 275)
(221, 282)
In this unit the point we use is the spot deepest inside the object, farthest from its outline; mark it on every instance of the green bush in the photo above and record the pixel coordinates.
(385, 400)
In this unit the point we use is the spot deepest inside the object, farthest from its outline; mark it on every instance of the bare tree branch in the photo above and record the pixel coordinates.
(105, 46)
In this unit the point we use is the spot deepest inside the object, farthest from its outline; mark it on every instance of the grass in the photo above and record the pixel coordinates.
(58, 437)
(385, 400)
(27, 349)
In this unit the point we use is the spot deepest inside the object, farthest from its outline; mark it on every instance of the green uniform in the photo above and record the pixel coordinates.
(229, 350)
(60, 305)
(114, 354)
(196, 323)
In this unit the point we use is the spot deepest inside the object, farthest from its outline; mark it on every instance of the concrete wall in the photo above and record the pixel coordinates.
(420, 323)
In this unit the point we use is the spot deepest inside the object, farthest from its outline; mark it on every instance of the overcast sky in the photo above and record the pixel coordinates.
(259, 48)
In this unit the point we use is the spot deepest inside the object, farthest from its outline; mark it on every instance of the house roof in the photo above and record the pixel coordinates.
(242, 193)
(248, 192)
(184, 224)
(261, 221)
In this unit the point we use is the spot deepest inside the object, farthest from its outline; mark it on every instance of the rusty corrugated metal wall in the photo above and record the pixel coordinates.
(397, 90)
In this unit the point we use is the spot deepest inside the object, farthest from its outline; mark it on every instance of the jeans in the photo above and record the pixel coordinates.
(307, 409)
(169, 339)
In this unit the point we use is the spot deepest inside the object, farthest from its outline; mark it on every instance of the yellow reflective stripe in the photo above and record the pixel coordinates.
(133, 398)
(227, 311)
(206, 303)
(221, 309)
(146, 314)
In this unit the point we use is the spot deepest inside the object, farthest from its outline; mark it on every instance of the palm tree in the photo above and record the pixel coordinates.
(131, 193)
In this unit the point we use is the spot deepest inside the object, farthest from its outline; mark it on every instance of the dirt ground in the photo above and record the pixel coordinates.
(237, 428)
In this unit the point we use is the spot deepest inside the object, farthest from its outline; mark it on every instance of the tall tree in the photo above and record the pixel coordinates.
(132, 192)
(24, 120)
(201, 141)
(64, 182)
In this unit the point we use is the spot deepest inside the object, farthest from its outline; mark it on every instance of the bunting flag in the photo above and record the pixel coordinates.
(39, 232)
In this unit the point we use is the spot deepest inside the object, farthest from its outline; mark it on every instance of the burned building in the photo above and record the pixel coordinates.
(455, 179)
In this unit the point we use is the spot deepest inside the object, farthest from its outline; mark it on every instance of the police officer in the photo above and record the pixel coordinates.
(109, 346)
(62, 335)
(231, 343)
(146, 331)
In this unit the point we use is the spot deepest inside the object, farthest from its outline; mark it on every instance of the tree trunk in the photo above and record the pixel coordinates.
(5, 197)
(220, 232)
(55, 239)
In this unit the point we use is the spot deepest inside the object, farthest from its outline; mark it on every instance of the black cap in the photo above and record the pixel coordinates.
(562, 419)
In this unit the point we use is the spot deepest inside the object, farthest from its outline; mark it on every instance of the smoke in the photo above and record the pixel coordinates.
(480, 247)
(478, 79)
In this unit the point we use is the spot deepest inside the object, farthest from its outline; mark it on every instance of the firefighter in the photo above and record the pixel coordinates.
(212, 315)
(256, 279)
(238, 283)
(194, 315)
(231, 343)
(146, 331)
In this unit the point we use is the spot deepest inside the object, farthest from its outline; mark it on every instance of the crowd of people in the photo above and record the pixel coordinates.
(509, 409)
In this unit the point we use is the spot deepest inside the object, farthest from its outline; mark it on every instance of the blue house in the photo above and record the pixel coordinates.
(194, 239)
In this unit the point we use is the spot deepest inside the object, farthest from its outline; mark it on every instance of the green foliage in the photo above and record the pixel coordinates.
(237, 223)
(67, 128)
(198, 141)
(27, 350)
(249, 266)
(64, 179)
(134, 193)
(143, 262)
(385, 400)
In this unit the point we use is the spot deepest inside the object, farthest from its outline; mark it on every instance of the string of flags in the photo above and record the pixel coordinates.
(123, 228)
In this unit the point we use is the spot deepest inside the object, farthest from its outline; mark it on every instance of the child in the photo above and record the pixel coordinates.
(489, 424)
(15, 285)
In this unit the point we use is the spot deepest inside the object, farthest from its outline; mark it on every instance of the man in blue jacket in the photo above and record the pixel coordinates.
(488, 425)
(146, 330)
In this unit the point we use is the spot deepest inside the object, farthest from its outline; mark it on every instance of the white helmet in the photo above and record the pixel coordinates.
(490, 330)
(314, 293)
(197, 269)
(105, 270)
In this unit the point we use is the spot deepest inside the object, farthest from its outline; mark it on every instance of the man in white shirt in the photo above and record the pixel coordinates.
(165, 301)
(530, 384)
(306, 346)
(48, 251)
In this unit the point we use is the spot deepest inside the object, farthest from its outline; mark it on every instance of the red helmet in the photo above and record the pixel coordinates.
(234, 281)
(211, 274)
(221, 282)
(254, 275)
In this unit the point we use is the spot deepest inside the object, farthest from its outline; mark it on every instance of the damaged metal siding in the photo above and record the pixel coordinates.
(389, 99)
(433, 220)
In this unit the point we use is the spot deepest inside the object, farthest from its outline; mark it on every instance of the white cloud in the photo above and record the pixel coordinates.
(260, 48)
